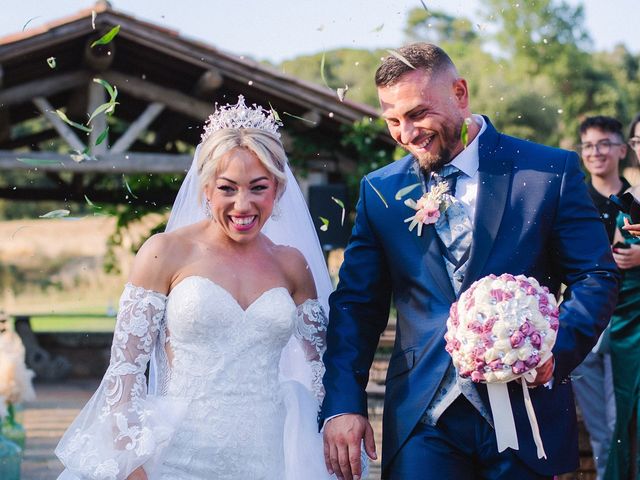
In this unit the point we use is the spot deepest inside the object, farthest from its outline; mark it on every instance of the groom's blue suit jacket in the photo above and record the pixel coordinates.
(533, 217)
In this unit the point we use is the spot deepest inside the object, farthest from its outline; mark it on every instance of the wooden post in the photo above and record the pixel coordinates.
(97, 96)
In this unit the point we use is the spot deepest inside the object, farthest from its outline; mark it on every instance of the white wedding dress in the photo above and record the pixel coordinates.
(221, 402)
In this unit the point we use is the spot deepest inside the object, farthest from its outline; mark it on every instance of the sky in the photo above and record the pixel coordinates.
(276, 30)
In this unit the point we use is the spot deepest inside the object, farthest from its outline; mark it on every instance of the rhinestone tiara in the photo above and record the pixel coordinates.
(241, 116)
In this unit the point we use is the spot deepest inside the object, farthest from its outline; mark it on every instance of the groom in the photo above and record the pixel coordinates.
(525, 210)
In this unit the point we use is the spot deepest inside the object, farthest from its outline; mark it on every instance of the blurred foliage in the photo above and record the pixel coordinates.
(530, 67)
(344, 67)
(368, 152)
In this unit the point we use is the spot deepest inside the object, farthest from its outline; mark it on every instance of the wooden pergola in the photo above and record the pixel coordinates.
(167, 86)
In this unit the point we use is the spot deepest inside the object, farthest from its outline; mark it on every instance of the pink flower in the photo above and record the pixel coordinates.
(507, 277)
(526, 328)
(452, 345)
(532, 361)
(428, 211)
(519, 367)
(478, 353)
(536, 339)
(524, 284)
(517, 339)
(496, 365)
(475, 326)
(543, 300)
(487, 340)
(477, 376)
(554, 323)
(500, 295)
(488, 325)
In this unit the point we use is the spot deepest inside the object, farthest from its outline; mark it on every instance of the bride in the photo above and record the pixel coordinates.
(231, 320)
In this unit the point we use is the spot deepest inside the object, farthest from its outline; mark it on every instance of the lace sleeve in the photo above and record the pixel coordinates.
(121, 427)
(311, 331)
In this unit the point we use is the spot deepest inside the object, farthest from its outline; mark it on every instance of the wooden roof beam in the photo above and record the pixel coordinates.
(173, 99)
(63, 129)
(129, 162)
(43, 87)
(137, 127)
(156, 197)
(208, 83)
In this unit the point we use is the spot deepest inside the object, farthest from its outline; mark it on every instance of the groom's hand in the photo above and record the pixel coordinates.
(342, 438)
(544, 373)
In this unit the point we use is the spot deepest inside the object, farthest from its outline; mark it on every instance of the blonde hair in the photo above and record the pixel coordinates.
(266, 146)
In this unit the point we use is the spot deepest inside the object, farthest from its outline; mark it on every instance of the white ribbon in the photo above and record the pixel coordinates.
(503, 422)
(506, 435)
(528, 405)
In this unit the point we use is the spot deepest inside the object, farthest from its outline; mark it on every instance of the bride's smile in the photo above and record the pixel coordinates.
(241, 195)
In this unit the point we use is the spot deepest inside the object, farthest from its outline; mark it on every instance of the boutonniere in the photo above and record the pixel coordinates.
(429, 207)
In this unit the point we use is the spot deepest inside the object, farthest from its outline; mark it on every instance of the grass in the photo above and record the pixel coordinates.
(72, 322)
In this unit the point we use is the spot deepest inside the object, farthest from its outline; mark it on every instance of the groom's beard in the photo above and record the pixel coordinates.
(449, 138)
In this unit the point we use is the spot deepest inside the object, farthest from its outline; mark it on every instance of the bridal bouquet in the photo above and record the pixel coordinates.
(501, 329)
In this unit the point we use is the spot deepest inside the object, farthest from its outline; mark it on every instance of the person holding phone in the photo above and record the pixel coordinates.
(624, 341)
(601, 149)
(634, 143)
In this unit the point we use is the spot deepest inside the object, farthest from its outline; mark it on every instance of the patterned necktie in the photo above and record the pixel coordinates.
(454, 228)
(455, 232)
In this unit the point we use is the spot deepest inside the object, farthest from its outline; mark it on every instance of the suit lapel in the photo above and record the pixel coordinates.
(494, 179)
(428, 243)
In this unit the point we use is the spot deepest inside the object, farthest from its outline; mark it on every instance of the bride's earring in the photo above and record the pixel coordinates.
(207, 210)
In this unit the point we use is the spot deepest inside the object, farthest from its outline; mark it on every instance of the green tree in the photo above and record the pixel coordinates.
(342, 68)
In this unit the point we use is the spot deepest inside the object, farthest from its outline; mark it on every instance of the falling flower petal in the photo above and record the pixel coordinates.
(93, 19)
(79, 126)
(36, 162)
(401, 58)
(56, 214)
(102, 136)
(342, 92)
(324, 79)
(378, 28)
(464, 134)
(275, 114)
(106, 38)
(377, 192)
(28, 22)
(325, 224)
(51, 61)
(341, 205)
(22, 227)
(108, 107)
(126, 184)
(299, 118)
(406, 190)
(92, 205)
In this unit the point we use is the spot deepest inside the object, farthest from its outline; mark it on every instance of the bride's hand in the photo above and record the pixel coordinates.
(342, 438)
(138, 474)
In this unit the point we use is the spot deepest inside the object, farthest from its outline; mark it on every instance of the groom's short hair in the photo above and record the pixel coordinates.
(602, 123)
(421, 56)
